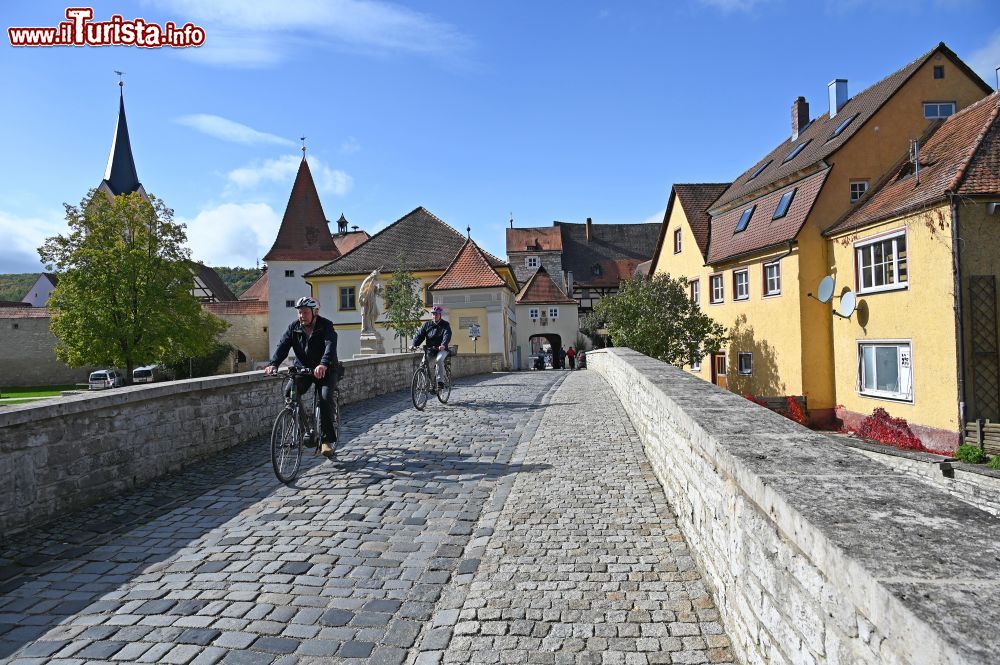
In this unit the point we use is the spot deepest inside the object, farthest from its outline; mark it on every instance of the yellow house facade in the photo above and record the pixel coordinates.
(761, 255)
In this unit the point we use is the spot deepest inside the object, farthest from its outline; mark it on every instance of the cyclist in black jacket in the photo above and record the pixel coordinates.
(437, 332)
(314, 342)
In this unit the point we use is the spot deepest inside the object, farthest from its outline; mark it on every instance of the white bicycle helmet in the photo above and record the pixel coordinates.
(306, 301)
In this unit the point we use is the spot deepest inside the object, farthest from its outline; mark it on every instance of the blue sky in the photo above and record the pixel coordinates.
(473, 109)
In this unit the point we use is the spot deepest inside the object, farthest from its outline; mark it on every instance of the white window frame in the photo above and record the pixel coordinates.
(678, 242)
(859, 186)
(745, 273)
(769, 278)
(553, 312)
(937, 110)
(716, 289)
(904, 370)
(868, 244)
(533, 313)
(748, 371)
(531, 261)
(351, 293)
(694, 288)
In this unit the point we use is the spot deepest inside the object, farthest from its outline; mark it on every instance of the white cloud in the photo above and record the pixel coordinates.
(22, 238)
(267, 29)
(229, 130)
(232, 234)
(655, 218)
(985, 60)
(283, 169)
(350, 146)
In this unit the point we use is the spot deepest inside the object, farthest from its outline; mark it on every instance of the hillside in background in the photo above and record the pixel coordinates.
(237, 279)
(15, 287)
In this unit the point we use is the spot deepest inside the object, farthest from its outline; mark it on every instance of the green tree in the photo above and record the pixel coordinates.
(589, 325)
(124, 294)
(655, 316)
(403, 304)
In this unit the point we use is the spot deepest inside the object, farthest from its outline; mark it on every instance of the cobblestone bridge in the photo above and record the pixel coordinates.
(519, 524)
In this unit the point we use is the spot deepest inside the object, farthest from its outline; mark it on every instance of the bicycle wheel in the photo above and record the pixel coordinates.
(335, 418)
(418, 389)
(286, 446)
(445, 392)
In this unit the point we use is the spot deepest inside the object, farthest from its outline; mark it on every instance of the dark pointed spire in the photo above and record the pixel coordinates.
(121, 176)
(303, 234)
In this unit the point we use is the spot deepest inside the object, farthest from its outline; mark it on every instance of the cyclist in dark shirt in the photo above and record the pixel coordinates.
(314, 341)
(437, 333)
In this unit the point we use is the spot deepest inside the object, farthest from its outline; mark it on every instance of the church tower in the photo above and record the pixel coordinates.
(120, 177)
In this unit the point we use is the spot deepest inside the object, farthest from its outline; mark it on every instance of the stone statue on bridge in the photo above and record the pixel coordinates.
(371, 288)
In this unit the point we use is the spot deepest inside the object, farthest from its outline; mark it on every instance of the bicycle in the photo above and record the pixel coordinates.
(295, 427)
(423, 382)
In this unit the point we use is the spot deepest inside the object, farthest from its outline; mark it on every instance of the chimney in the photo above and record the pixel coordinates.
(590, 233)
(838, 95)
(569, 283)
(800, 116)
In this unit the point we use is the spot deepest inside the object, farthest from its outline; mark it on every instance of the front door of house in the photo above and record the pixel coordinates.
(719, 370)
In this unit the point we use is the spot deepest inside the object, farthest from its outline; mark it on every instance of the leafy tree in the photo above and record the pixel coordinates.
(403, 304)
(15, 286)
(203, 365)
(124, 294)
(237, 279)
(655, 316)
(590, 324)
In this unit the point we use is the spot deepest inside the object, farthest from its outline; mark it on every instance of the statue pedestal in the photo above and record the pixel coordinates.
(371, 344)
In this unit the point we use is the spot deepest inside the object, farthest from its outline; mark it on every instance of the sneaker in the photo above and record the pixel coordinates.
(326, 450)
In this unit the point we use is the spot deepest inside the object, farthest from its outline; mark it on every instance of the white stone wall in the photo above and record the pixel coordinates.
(28, 357)
(815, 554)
(567, 325)
(67, 453)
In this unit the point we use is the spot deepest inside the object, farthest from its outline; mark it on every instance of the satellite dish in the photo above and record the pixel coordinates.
(848, 303)
(825, 290)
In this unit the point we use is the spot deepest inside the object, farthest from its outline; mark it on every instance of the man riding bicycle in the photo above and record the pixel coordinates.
(437, 332)
(314, 342)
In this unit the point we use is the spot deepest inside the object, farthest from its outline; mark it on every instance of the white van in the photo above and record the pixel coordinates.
(147, 374)
(106, 378)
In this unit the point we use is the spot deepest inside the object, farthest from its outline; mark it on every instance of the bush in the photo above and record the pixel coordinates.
(970, 453)
(883, 428)
(792, 410)
(994, 463)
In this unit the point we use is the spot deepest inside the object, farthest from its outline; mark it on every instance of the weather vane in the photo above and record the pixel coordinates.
(468, 229)
(121, 81)
(303, 139)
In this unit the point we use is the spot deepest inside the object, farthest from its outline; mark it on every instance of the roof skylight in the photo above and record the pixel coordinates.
(760, 168)
(782, 209)
(842, 126)
(745, 219)
(797, 150)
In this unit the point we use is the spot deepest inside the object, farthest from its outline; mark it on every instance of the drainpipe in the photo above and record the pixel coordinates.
(787, 252)
(959, 326)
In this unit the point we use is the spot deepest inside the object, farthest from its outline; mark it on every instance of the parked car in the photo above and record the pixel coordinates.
(106, 378)
(148, 374)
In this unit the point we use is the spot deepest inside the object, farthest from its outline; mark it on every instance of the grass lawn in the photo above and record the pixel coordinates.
(20, 401)
(37, 391)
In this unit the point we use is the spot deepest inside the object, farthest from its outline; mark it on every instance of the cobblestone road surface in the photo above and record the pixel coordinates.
(521, 523)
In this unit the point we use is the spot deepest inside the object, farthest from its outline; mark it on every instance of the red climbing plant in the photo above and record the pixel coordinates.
(883, 428)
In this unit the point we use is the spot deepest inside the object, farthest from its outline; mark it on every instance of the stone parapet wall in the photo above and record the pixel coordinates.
(66, 453)
(815, 554)
(27, 354)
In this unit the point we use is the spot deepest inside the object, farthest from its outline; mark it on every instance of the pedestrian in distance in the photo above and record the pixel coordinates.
(562, 358)
(571, 356)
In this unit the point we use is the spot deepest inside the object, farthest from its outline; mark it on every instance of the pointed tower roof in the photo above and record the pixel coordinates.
(470, 269)
(541, 289)
(303, 234)
(121, 177)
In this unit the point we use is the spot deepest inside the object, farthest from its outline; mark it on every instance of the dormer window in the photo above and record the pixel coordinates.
(759, 170)
(745, 219)
(782, 209)
(795, 152)
(842, 126)
(595, 270)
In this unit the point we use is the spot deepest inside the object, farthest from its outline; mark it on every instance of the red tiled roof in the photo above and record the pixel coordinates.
(762, 231)
(961, 156)
(819, 131)
(534, 239)
(345, 242)
(540, 289)
(25, 313)
(303, 234)
(257, 290)
(237, 307)
(469, 270)
(695, 199)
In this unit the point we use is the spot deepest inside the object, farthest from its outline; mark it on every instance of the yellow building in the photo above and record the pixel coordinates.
(763, 251)
(910, 246)
(420, 242)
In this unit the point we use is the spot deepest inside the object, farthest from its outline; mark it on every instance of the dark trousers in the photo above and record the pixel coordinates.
(326, 386)
(572, 361)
